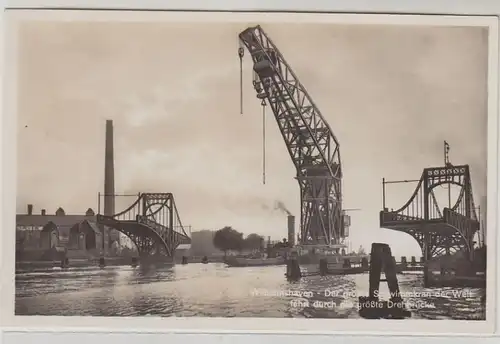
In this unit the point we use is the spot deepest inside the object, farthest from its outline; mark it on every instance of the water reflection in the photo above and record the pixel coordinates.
(215, 290)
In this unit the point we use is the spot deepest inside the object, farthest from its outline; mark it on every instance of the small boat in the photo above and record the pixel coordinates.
(242, 262)
(336, 263)
(204, 260)
(334, 268)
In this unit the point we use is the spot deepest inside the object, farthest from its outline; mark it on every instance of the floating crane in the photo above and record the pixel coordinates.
(310, 141)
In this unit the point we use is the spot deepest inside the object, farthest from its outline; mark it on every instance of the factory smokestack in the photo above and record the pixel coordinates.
(291, 230)
(109, 172)
(109, 235)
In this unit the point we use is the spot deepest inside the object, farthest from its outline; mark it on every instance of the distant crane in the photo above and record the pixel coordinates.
(347, 224)
(310, 141)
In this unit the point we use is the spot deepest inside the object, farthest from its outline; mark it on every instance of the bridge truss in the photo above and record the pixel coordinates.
(152, 223)
(438, 232)
(310, 141)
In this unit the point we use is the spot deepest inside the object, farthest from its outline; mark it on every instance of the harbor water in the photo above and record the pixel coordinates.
(214, 290)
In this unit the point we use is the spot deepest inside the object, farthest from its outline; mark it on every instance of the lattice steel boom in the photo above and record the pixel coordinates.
(152, 222)
(310, 141)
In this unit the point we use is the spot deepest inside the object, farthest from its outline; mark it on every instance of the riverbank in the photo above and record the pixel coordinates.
(80, 263)
(44, 265)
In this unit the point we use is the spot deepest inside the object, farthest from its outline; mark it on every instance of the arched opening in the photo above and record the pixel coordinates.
(90, 240)
(54, 239)
(444, 196)
(82, 237)
(49, 236)
(74, 237)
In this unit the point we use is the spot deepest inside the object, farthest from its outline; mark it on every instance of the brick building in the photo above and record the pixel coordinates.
(77, 233)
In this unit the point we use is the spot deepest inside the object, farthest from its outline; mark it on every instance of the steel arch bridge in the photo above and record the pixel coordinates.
(152, 223)
(438, 232)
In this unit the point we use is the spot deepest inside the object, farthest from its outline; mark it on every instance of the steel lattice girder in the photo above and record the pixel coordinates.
(151, 222)
(310, 141)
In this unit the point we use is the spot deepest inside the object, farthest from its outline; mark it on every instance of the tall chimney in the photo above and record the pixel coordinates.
(30, 209)
(291, 230)
(109, 172)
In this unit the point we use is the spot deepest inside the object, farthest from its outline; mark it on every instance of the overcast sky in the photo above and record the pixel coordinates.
(391, 95)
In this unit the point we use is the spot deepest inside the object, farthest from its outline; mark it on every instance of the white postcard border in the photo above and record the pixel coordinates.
(239, 325)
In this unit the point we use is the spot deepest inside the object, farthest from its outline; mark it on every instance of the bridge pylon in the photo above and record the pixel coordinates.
(152, 223)
(438, 231)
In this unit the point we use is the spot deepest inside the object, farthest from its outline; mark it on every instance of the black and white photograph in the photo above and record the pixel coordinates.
(253, 166)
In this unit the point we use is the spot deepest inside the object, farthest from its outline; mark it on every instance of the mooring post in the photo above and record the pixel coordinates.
(64, 262)
(375, 271)
(365, 264)
(293, 272)
(390, 275)
(102, 262)
(370, 307)
(323, 267)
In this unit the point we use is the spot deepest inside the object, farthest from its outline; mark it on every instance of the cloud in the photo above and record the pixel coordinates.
(390, 94)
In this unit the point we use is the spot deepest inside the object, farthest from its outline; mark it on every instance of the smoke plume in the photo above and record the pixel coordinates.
(278, 205)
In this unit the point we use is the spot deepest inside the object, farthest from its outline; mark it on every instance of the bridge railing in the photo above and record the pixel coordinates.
(156, 210)
(411, 211)
(391, 216)
(124, 207)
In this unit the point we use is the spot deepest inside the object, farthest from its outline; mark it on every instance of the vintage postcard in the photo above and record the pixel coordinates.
(250, 172)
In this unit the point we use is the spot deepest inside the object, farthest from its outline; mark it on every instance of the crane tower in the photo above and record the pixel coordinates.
(310, 141)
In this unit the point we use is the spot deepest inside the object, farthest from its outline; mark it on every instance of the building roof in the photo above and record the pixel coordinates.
(49, 227)
(64, 223)
(93, 226)
(37, 220)
(62, 230)
(65, 229)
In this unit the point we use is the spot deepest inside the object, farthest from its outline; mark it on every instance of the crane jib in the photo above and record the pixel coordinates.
(308, 137)
(268, 66)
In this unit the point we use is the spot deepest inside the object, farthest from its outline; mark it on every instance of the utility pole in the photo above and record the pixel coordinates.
(447, 164)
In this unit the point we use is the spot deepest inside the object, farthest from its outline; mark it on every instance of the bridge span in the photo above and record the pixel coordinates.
(152, 222)
(439, 232)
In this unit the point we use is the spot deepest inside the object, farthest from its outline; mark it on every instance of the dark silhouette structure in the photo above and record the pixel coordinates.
(293, 272)
(310, 141)
(44, 231)
(110, 235)
(152, 223)
(438, 232)
(371, 307)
